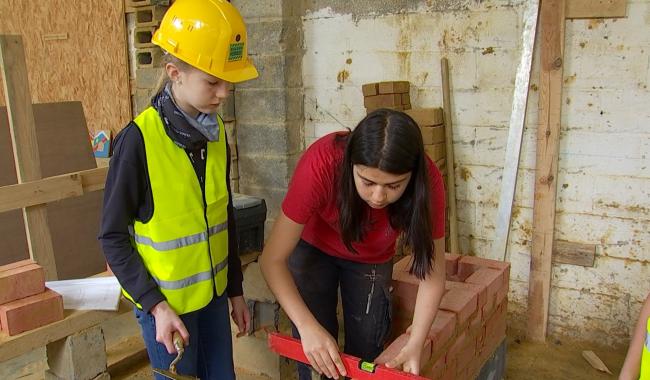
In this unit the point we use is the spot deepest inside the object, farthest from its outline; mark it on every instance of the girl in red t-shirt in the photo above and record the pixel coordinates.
(351, 196)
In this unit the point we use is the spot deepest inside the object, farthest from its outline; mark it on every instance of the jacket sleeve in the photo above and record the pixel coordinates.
(127, 197)
(235, 276)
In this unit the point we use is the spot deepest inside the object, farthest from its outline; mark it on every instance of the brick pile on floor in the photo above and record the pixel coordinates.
(470, 324)
(25, 302)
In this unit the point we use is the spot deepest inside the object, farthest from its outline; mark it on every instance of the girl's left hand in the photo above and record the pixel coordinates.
(240, 314)
(408, 358)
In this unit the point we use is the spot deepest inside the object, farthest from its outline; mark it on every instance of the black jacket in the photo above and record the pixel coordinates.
(128, 197)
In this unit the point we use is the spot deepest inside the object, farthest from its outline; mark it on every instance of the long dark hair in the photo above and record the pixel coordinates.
(391, 142)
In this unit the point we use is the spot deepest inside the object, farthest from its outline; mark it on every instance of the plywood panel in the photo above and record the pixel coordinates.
(74, 223)
(76, 51)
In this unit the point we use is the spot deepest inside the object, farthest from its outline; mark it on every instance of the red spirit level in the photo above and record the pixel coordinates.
(356, 368)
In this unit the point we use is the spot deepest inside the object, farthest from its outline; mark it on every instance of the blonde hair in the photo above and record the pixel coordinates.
(164, 78)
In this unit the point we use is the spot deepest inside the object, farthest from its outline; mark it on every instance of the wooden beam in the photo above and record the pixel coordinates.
(595, 8)
(449, 144)
(552, 23)
(25, 147)
(51, 189)
(566, 252)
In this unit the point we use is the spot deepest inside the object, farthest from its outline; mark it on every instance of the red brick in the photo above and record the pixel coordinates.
(20, 282)
(395, 87)
(369, 89)
(503, 292)
(480, 291)
(490, 278)
(464, 360)
(16, 264)
(442, 329)
(437, 369)
(31, 312)
(465, 269)
(451, 264)
(380, 101)
(460, 301)
(493, 264)
(396, 346)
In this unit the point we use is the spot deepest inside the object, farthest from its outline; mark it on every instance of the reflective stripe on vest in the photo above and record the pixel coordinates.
(645, 356)
(180, 242)
(184, 245)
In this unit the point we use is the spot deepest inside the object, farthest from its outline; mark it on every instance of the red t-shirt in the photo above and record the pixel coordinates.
(311, 200)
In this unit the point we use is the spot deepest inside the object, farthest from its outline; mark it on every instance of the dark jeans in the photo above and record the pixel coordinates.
(209, 355)
(364, 292)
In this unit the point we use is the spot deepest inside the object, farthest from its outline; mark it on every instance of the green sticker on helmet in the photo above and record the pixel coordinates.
(236, 52)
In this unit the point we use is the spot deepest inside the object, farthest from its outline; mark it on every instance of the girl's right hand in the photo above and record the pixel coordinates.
(166, 323)
(322, 351)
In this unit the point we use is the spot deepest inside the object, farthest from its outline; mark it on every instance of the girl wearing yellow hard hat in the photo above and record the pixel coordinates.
(167, 226)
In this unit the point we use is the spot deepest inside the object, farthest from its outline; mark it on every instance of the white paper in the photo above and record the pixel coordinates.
(97, 293)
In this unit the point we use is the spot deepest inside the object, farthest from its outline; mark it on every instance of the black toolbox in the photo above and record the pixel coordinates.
(250, 215)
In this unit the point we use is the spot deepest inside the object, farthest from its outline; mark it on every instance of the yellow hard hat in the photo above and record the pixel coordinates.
(209, 35)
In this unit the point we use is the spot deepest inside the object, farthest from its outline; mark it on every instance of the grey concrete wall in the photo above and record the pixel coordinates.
(269, 110)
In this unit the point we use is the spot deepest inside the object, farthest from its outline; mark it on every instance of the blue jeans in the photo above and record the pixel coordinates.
(364, 292)
(209, 355)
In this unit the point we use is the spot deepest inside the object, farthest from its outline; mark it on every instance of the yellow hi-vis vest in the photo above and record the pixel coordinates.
(185, 244)
(645, 357)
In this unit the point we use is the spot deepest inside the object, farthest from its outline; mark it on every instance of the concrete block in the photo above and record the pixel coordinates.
(265, 171)
(79, 356)
(276, 71)
(255, 287)
(274, 37)
(148, 78)
(253, 9)
(148, 57)
(227, 109)
(31, 312)
(142, 3)
(149, 16)
(22, 279)
(460, 301)
(143, 37)
(255, 106)
(270, 139)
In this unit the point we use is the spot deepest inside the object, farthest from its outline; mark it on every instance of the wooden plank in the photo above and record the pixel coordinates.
(566, 252)
(25, 147)
(552, 23)
(74, 321)
(74, 222)
(93, 27)
(51, 189)
(595, 8)
(449, 141)
(39, 192)
(515, 133)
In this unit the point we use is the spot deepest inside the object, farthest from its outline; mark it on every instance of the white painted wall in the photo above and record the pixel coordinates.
(604, 174)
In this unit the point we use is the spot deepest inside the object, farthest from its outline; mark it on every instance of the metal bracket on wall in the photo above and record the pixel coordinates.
(516, 131)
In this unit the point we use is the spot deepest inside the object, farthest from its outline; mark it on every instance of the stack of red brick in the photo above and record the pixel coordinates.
(25, 302)
(470, 324)
(392, 95)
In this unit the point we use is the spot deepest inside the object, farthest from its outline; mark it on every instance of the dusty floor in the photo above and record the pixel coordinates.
(558, 360)
(525, 361)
